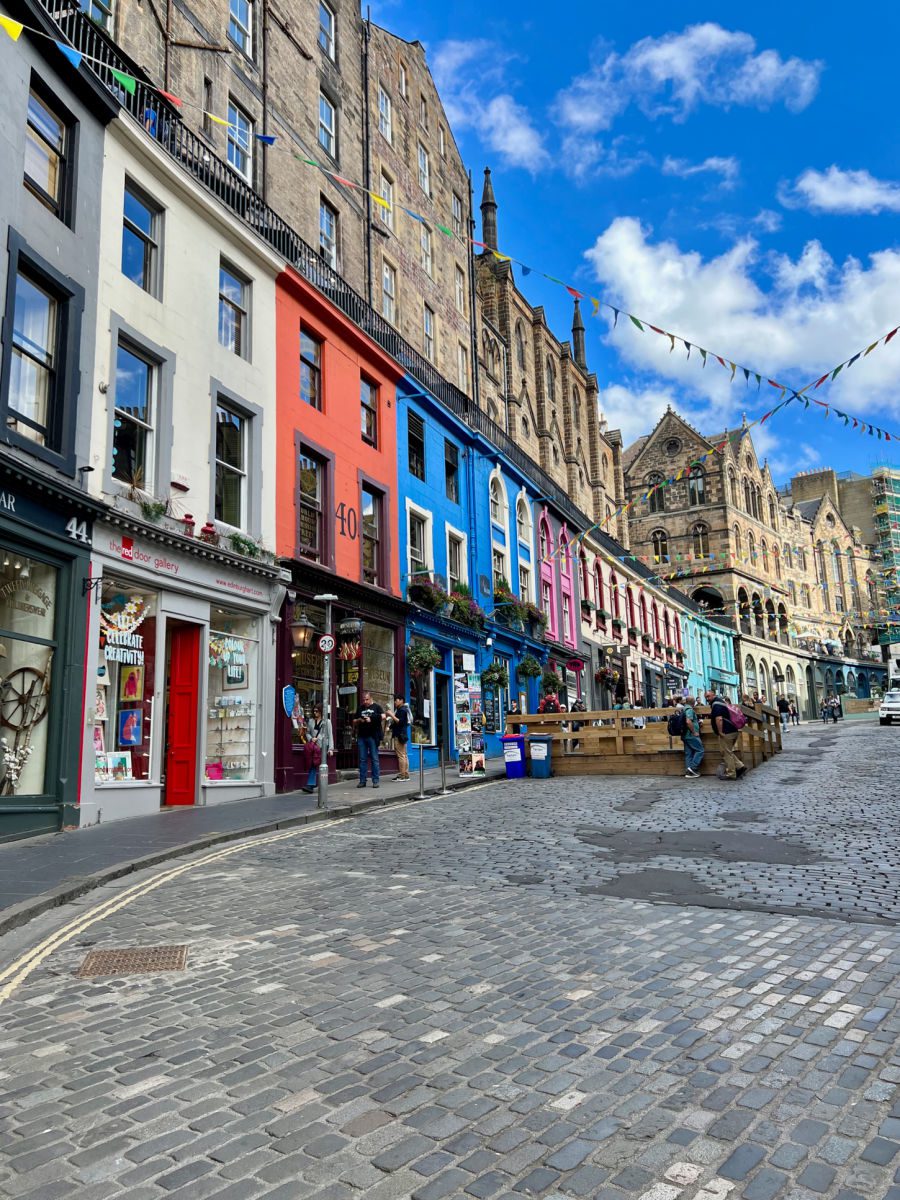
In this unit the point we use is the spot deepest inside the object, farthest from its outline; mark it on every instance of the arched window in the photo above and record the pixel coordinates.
(750, 674)
(654, 612)
(600, 587)
(700, 535)
(526, 428)
(565, 554)
(805, 596)
(551, 382)
(614, 598)
(732, 486)
(748, 497)
(576, 408)
(629, 608)
(496, 501)
(696, 486)
(523, 520)
(678, 643)
(656, 500)
(667, 627)
(772, 520)
(792, 591)
(751, 548)
(777, 558)
(757, 503)
(765, 556)
(660, 544)
(585, 576)
(520, 345)
(645, 622)
(738, 542)
(872, 589)
(546, 541)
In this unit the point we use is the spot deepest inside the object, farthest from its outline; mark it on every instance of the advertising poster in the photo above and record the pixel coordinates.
(468, 719)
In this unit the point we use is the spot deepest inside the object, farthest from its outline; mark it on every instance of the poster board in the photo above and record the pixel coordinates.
(468, 721)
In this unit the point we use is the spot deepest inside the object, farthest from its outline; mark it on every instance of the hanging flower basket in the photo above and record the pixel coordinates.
(529, 667)
(495, 676)
(422, 657)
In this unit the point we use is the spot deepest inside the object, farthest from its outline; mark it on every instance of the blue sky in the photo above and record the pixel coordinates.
(730, 172)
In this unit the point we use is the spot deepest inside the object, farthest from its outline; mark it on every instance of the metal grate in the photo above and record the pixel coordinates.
(134, 960)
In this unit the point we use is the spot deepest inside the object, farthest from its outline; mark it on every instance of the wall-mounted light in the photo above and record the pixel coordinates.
(302, 630)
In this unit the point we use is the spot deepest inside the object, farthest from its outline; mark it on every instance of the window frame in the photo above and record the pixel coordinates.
(427, 250)
(458, 538)
(369, 404)
(332, 260)
(403, 81)
(462, 367)
(150, 427)
(451, 462)
(70, 301)
(304, 448)
(457, 215)
(153, 243)
(331, 146)
(429, 332)
(425, 518)
(165, 363)
(62, 206)
(243, 349)
(329, 46)
(423, 169)
(232, 140)
(315, 367)
(246, 46)
(415, 459)
(381, 570)
(460, 290)
(389, 298)
(253, 417)
(385, 114)
(222, 404)
(386, 191)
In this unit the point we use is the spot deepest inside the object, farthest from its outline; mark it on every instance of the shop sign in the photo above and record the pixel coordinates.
(49, 520)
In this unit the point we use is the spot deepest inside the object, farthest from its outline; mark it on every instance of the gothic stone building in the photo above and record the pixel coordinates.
(539, 389)
(795, 578)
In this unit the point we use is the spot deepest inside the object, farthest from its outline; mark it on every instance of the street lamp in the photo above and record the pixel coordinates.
(302, 630)
(321, 800)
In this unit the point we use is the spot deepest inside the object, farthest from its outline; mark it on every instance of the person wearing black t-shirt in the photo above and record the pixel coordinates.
(369, 726)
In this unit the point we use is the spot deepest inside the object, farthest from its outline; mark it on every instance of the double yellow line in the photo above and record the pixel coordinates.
(17, 972)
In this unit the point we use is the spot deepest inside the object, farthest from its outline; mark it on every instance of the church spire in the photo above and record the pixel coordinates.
(578, 337)
(488, 212)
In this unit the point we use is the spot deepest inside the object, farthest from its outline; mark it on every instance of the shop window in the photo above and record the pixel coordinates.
(378, 663)
(306, 674)
(126, 672)
(28, 590)
(232, 696)
(421, 702)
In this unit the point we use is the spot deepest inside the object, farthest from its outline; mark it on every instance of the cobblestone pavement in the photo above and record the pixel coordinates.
(465, 999)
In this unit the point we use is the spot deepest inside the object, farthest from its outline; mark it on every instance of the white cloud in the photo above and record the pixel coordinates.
(470, 76)
(787, 318)
(585, 157)
(767, 220)
(729, 168)
(674, 74)
(838, 191)
(635, 408)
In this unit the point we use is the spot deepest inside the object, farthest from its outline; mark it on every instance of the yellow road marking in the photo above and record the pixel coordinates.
(19, 970)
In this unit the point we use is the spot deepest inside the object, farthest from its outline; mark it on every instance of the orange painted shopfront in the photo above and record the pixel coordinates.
(337, 515)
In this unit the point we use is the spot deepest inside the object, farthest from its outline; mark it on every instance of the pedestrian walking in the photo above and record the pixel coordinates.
(693, 746)
(824, 711)
(317, 739)
(400, 718)
(369, 726)
(795, 713)
(578, 706)
(835, 709)
(784, 711)
(720, 716)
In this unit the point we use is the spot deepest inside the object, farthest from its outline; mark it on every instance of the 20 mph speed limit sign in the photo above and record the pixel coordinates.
(326, 643)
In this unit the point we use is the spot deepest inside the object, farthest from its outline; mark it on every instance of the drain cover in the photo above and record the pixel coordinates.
(134, 960)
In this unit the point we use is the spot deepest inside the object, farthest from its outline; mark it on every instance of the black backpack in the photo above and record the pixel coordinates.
(676, 725)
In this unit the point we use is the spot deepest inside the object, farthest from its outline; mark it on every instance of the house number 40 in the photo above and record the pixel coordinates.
(348, 521)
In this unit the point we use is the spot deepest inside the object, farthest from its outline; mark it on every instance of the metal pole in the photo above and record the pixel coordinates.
(421, 795)
(445, 791)
(322, 798)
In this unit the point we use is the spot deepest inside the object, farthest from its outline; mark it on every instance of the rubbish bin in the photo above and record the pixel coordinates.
(539, 747)
(514, 755)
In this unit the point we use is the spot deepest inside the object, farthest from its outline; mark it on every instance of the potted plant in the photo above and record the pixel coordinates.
(421, 657)
(422, 590)
(241, 544)
(152, 509)
(529, 667)
(495, 676)
(464, 609)
(603, 614)
(618, 623)
(670, 650)
(633, 631)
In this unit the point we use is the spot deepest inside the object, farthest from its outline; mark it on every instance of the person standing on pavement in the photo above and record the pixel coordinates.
(795, 713)
(693, 746)
(784, 711)
(318, 738)
(728, 735)
(824, 710)
(369, 726)
(399, 717)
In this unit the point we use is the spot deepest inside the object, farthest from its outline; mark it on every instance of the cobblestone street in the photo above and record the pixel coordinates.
(619, 989)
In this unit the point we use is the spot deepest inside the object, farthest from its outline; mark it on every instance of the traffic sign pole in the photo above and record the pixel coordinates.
(327, 639)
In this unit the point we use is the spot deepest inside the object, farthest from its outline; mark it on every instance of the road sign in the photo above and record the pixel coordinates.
(326, 643)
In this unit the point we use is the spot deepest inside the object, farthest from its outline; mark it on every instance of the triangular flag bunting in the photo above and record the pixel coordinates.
(268, 139)
(443, 229)
(13, 28)
(379, 200)
(129, 83)
(221, 121)
(71, 54)
(176, 100)
(636, 322)
(890, 335)
(572, 292)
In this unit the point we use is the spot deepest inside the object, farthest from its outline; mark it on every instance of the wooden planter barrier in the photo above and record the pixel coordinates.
(608, 743)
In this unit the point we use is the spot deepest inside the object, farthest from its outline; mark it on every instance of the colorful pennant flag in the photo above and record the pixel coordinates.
(13, 28)
(129, 83)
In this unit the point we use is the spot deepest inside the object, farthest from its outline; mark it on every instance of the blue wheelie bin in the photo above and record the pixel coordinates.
(514, 755)
(539, 745)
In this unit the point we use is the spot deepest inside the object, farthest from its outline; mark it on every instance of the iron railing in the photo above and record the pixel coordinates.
(161, 121)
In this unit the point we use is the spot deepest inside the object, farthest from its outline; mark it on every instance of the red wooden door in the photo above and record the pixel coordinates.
(182, 714)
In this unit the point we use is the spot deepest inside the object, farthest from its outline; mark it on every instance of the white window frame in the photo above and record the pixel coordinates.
(389, 297)
(387, 195)
(429, 332)
(385, 114)
(457, 215)
(424, 172)
(330, 256)
(451, 533)
(329, 145)
(244, 40)
(462, 367)
(460, 291)
(442, 141)
(424, 515)
(427, 250)
(525, 592)
(243, 471)
(236, 115)
(503, 553)
(522, 502)
(242, 310)
(404, 83)
(327, 38)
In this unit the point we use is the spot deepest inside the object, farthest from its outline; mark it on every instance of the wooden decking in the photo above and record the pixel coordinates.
(609, 744)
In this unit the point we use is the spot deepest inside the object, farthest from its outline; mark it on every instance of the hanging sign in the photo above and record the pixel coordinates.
(288, 699)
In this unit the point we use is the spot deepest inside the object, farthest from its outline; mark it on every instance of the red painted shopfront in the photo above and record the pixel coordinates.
(337, 512)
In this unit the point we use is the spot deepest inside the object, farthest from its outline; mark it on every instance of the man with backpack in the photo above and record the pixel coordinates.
(727, 721)
(685, 723)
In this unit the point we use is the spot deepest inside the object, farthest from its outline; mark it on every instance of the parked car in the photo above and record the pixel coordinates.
(889, 709)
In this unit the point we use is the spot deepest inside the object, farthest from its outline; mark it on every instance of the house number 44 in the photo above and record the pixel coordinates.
(77, 530)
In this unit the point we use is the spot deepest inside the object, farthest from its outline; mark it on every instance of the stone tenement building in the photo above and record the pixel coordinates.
(797, 580)
(540, 389)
